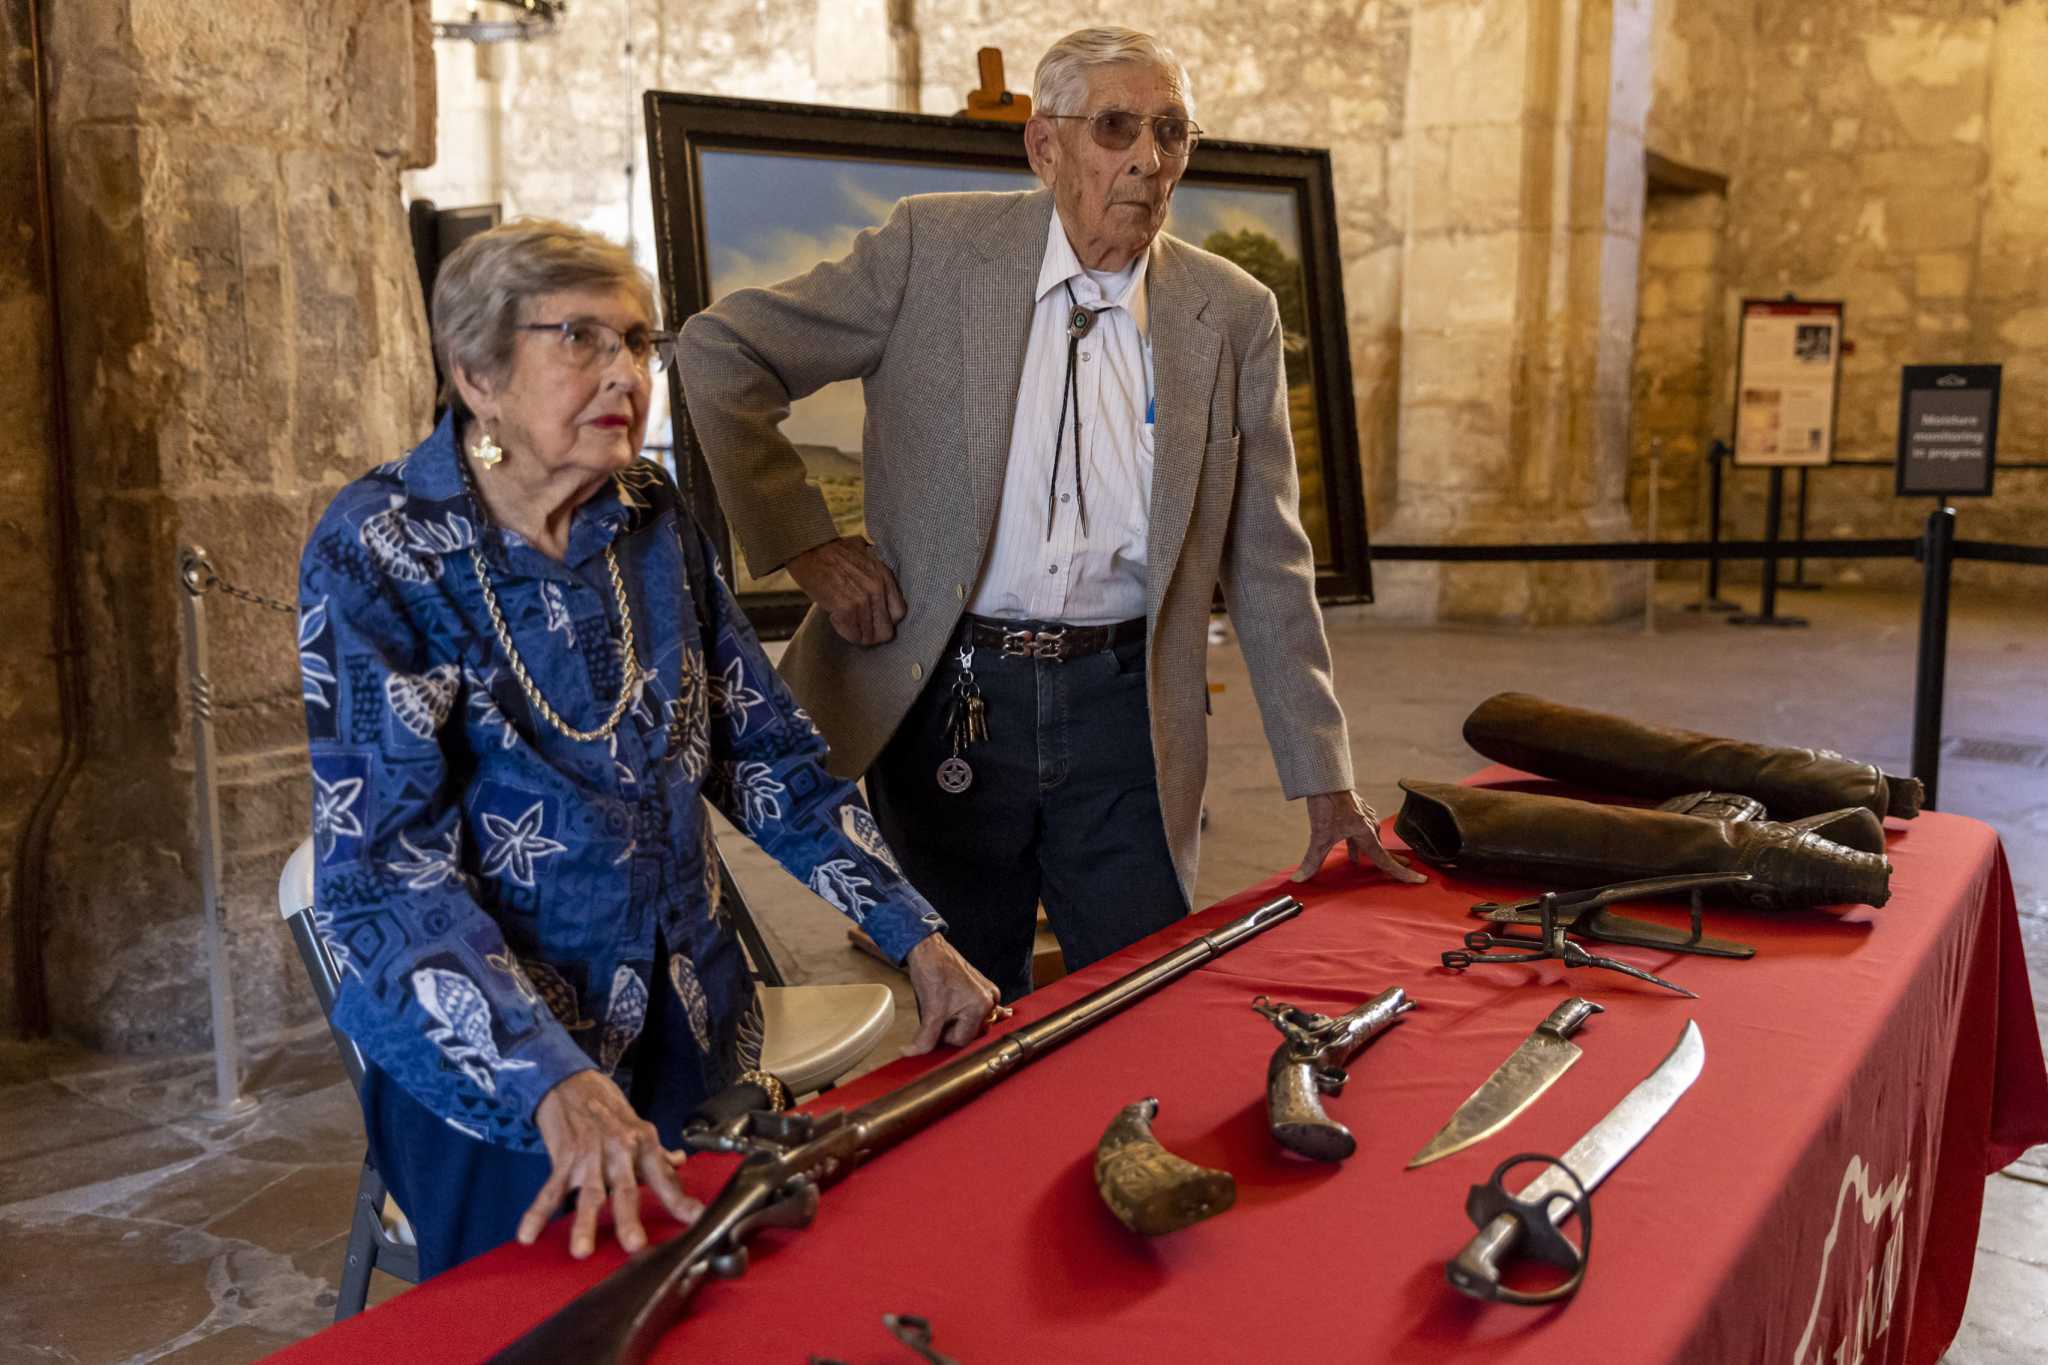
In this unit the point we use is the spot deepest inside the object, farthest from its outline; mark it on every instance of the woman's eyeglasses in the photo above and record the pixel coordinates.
(1117, 130)
(593, 346)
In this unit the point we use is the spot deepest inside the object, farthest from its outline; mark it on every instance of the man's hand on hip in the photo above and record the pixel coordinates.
(853, 586)
(1341, 815)
(955, 1003)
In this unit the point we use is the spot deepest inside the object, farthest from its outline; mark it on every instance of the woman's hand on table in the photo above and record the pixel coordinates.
(599, 1147)
(955, 1003)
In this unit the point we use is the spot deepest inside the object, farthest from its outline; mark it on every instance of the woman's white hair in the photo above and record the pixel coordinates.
(1061, 83)
(482, 288)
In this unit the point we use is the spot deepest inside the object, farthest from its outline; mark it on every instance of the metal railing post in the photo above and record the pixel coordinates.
(1767, 613)
(1710, 599)
(1650, 534)
(196, 575)
(1937, 554)
(1798, 582)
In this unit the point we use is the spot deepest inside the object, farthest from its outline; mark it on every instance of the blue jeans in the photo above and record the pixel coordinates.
(1064, 809)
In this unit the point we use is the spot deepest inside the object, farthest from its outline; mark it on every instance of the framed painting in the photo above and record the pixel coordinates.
(747, 192)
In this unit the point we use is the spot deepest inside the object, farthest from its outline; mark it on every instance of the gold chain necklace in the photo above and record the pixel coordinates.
(627, 685)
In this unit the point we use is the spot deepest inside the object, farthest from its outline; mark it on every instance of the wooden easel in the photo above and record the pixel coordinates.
(992, 101)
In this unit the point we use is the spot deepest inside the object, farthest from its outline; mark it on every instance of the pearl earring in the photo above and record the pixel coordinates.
(488, 452)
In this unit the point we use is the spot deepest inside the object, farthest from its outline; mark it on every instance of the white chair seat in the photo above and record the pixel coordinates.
(295, 883)
(813, 1035)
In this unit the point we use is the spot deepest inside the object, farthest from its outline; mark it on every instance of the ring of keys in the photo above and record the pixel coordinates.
(966, 722)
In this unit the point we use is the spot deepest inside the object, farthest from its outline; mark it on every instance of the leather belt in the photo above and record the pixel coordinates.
(1040, 640)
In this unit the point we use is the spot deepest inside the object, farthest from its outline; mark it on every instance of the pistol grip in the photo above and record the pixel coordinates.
(1294, 1112)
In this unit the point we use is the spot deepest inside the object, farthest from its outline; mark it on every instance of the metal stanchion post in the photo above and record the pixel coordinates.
(195, 573)
(1710, 594)
(1799, 583)
(1650, 589)
(1937, 550)
(1767, 615)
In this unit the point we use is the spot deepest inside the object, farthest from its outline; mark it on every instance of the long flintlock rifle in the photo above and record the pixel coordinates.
(790, 1157)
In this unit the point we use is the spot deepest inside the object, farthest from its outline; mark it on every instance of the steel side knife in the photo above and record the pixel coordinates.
(1529, 1070)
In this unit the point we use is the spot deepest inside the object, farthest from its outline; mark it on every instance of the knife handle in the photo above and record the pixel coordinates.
(1564, 1021)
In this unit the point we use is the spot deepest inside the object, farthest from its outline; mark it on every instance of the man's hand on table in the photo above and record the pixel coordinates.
(853, 586)
(1342, 815)
(599, 1146)
(955, 1003)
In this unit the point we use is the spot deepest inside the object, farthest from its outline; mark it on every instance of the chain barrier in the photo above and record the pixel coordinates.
(200, 577)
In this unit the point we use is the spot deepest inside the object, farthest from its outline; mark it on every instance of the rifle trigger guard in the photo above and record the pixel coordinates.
(1331, 1079)
(794, 1207)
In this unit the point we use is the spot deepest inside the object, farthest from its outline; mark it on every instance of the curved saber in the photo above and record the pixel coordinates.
(1476, 1270)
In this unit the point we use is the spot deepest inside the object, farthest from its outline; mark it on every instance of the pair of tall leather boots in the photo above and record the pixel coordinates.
(1824, 846)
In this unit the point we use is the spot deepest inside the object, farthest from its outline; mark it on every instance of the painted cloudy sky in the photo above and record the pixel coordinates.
(768, 217)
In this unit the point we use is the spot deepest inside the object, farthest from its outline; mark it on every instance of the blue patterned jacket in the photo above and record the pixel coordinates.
(501, 898)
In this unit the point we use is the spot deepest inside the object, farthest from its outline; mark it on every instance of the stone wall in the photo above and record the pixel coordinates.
(1700, 55)
(1525, 129)
(1896, 158)
(1681, 346)
(243, 334)
(28, 696)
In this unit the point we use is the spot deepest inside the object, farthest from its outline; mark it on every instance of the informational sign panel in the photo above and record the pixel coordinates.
(1787, 374)
(1948, 430)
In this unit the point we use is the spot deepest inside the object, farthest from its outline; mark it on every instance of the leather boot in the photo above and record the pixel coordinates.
(1610, 754)
(1561, 844)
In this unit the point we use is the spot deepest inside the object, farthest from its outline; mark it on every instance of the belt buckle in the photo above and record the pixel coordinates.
(1043, 644)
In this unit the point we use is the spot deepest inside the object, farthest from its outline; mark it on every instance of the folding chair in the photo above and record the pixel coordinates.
(811, 1036)
(379, 1238)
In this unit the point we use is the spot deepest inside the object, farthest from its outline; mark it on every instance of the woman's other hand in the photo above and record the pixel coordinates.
(955, 1003)
(600, 1147)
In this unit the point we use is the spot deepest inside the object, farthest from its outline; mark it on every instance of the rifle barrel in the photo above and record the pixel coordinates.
(898, 1114)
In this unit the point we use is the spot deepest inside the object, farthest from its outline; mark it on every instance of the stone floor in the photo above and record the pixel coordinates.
(134, 1228)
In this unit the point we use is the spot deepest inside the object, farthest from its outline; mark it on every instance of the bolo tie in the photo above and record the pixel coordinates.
(966, 720)
(1080, 319)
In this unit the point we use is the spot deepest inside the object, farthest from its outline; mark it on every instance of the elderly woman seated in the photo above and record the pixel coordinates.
(523, 679)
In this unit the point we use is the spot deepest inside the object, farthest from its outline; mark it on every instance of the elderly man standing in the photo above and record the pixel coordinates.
(1076, 428)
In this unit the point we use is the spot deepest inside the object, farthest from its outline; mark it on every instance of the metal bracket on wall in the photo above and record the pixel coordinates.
(530, 19)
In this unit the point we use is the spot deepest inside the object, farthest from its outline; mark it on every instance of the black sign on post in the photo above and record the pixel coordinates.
(1948, 431)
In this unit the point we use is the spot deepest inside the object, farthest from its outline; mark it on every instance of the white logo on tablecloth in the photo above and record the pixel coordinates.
(1859, 1308)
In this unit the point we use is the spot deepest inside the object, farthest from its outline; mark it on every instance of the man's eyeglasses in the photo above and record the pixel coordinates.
(593, 346)
(1117, 130)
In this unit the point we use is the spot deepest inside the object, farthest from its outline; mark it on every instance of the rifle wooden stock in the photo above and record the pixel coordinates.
(621, 1319)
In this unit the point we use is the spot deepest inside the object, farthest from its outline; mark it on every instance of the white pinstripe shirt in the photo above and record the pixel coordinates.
(1098, 577)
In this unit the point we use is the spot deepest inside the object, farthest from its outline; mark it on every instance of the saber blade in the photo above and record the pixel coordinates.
(1476, 1271)
(1529, 1070)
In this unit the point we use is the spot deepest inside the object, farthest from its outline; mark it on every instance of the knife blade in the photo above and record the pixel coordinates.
(1529, 1070)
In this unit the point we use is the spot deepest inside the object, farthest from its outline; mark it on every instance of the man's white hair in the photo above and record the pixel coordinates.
(1061, 83)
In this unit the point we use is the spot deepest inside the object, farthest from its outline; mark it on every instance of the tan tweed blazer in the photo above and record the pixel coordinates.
(932, 311)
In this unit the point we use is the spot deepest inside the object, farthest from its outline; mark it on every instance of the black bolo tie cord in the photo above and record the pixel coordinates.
(1079, 321)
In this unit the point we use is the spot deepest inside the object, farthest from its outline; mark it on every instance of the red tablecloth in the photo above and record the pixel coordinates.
(1820, 1183)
